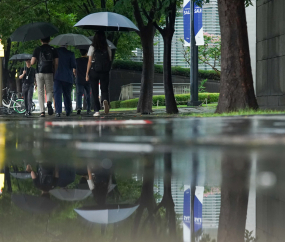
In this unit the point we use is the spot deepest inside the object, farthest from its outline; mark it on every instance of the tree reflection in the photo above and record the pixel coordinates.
(234, 196)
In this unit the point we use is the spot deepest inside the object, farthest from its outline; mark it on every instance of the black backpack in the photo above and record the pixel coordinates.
(101, 61)
(45, 63)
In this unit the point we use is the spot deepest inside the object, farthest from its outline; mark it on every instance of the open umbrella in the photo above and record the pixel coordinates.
(21, 175)
(33, 31)
(111, 213)
(70, 194)
(71, 40)
(33, 204)
(21, 57)
(107, 21)
(86, 47)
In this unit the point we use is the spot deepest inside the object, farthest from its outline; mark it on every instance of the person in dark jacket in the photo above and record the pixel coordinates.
(29, 78)
(81, 83)
(63, 80)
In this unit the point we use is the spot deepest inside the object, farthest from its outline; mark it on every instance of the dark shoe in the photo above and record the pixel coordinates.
(29, 114)
(50, 110)
(78, 112)
(67, 113)
(26, 114)
(42, 115)
(57, 115)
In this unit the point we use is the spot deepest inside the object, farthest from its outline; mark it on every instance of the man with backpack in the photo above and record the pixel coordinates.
(63, 80)
(47, 62)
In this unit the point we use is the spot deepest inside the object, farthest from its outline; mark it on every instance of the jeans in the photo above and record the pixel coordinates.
(80, 91)
(44, 81)
(28, 91)
(103, 77)
(62, 88)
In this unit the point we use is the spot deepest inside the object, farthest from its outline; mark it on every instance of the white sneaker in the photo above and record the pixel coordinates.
(96, 114)
(106, 106)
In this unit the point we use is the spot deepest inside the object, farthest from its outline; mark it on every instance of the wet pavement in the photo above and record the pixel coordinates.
(126, 177)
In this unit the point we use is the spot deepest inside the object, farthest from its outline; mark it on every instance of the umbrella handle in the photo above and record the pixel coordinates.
(118, 27)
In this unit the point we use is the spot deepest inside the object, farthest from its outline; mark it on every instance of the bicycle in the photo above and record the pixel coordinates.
(12, 103)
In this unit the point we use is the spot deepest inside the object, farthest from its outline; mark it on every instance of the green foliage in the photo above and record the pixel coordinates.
(160, 100)
(248, 236)
(115, 104)
(201, 87)
(132, 103)
(179, 71)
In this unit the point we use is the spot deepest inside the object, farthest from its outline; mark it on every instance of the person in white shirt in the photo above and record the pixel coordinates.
(99, 65)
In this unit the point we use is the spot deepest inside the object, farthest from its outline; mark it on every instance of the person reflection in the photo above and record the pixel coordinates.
(99, 181)
(46, 177)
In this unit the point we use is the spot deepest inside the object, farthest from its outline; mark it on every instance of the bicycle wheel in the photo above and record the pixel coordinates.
(19, 106)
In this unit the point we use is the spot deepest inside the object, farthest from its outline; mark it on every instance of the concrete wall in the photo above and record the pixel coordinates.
(270, 83)
(119, 78)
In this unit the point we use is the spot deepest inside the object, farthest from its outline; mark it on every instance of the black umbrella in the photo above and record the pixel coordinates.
(33, 204)
(107, 21)
(21, 57)
(71, 40)
(33, 31)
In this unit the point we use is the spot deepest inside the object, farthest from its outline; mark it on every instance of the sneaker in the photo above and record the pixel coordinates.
(57, 115)
(78, 112)
(26, 114)
(106, 106)
(29, 114)
(97, 114)
(50, 110)
(42, 115)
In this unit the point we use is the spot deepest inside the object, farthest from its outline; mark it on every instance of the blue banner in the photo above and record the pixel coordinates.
(186, 214)
(198, 23)
(198, 208)
(187, 21)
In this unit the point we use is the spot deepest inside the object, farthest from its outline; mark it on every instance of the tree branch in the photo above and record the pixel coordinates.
(137, 14)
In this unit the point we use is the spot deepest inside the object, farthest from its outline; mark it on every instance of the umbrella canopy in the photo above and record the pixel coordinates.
(86, 47)
(33, 31)
(107, 21)
(108, 214)
(21, 175)
(21, 57)
(71, 40)
(71, 194)
(33, 204)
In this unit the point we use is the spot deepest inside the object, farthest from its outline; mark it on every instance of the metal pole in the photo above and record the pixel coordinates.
(194, 64)
(1, 81)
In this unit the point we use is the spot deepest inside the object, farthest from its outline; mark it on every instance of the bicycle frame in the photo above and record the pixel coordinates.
(10, 104)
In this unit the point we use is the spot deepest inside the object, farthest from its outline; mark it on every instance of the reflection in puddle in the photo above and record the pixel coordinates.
(176, 180)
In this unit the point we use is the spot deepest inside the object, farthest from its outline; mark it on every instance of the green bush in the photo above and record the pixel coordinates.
(132, 103)
(179, 71)
(181, 99)
(115, 104)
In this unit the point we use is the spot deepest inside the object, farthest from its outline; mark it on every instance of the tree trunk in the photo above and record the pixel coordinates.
(234, 197)
(236, 90)
(171, 106)
(146, 92)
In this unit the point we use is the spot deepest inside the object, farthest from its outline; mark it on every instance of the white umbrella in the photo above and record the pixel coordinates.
(70, 194)
(107, 215)
(21, 175)
(107, 21)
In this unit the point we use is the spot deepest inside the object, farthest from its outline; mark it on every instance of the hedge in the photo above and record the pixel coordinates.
(179, 71)
(181, 99)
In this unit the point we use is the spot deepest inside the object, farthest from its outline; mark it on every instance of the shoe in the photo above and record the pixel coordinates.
(68, 114)
(106, 106)
(57, 115)
(26, 114)
(96, 114)
(42, 115)
(50, 110)
(78, 112)
(29, 114)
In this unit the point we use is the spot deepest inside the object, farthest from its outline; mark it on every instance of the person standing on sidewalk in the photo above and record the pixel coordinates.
(47, 62)
(81, 83)
(63, 80)
(28, 77)
(99, 65)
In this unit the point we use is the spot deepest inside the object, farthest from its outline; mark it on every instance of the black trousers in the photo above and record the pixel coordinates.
(94, 79)
(28, 91)
(62, 89)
